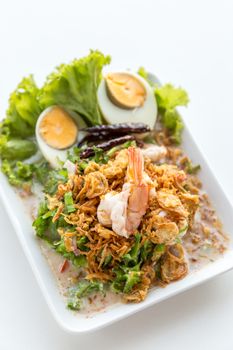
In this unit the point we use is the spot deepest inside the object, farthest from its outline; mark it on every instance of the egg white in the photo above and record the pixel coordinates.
(113, 114)
(53, 155)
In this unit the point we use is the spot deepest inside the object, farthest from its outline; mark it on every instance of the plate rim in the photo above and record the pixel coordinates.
(219, 266)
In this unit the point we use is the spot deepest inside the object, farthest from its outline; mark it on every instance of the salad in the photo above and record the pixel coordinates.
(119, 206)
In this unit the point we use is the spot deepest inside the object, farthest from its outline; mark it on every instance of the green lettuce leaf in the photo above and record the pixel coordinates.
(144, 74)
(16, 149)
(21, 174)
(19, 123)
(168, 98)
(23, 109)
(18, 174)
(74, 86)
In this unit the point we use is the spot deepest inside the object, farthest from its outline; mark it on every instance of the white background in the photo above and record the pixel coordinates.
(189, 43)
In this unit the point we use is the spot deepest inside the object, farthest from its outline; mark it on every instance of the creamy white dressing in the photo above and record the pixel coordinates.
(92, 304)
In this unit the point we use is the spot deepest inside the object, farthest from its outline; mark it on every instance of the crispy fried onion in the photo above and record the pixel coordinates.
(95, 185)
(169, 212)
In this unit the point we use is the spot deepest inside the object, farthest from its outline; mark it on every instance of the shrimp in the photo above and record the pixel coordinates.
(139, 192)
(112, 211)
(154, 152)
(123, 211)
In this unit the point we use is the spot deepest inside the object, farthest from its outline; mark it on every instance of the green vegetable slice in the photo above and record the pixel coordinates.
(190, 168)
(81, 290)
(77, 260)
(131, 258)
(160, 248)
(132, 278)
(69, 204)
(126, 278)
(146, 250)
(81, 244)
(54, 178)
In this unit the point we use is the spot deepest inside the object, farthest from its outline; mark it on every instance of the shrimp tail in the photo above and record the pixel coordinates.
(135, 166)
(138, 199)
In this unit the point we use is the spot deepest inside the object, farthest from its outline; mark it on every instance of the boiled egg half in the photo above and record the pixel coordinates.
(127, 97)
(57, 131)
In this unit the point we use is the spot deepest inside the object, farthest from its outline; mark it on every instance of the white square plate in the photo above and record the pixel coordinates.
(79, 323)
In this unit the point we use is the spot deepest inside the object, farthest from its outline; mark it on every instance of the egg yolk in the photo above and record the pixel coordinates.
(125, 90)
(58, 129)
